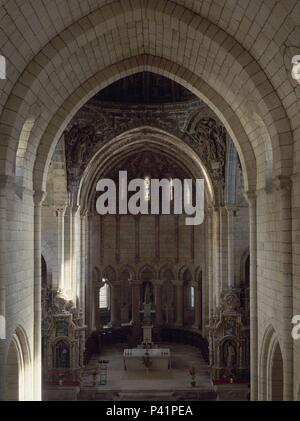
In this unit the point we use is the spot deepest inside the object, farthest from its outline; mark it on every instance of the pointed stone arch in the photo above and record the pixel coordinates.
(18, 376)
(237, 57)
(271, 367)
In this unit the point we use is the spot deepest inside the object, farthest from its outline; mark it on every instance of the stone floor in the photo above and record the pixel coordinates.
(150, 385)
(170, 385)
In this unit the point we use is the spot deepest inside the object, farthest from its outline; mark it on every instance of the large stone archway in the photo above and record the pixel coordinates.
(239, 77)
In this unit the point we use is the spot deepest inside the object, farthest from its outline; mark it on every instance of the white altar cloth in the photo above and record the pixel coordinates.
(135, 358)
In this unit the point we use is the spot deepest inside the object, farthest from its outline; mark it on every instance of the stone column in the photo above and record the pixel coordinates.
(84, 259)
(135, 289)
(90, 310)
(216, 256)
(230, 226)
(39, 197)
(74, 284)
(96, 319)
(209, 266)
(60, 215)
(223, 249)
(158, 309)
(284, 187)
(179, 302)
(114, 313)
(112, 305)
(6, 185)
(251, 198)
(6, 190)
(198, 305)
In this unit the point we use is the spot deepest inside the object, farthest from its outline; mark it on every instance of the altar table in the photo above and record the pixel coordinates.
(138, 359)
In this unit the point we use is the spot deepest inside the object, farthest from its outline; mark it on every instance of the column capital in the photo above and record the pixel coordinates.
(250, 197)
(116, 284)
(134, 282)
(60, 210)
(158, 282)
(75, 208)
(296, 177)
(209, 210)
(195, 284)
(231, 207)
(282, 183)
(98, 283)
(215, 208)
(84, 212)
(177, 282)
(39, 197)
(6, 182)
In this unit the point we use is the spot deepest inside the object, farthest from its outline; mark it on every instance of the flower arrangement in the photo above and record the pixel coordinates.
(60, 378)
(94, 374)
(147, 361)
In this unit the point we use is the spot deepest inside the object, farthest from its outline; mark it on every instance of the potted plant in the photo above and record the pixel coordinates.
(94, 374)
(192, 373)
(60, 378)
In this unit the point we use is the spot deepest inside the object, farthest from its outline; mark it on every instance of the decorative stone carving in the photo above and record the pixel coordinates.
(65, 340)
(192, 121)
(229, 339)
(210, 143)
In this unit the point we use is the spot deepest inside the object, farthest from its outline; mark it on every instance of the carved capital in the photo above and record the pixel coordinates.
(60, 210)
(39, 197)
(250, 197)
(134, 283)
(283, 183)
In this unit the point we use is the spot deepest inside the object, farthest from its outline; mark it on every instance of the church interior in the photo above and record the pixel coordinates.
(125, 307)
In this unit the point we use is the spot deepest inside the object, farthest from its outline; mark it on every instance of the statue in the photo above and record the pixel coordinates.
(147, 295)
(147, 305)
(229, 355)
(62, 355)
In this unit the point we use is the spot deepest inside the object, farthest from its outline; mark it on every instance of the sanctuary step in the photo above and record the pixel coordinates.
(145, 395)
(87, 394)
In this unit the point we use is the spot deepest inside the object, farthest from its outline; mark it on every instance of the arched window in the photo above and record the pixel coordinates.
(171, 189)
(168, 297)
(147, 182)
(104, 296)
(189, 298)
(192, 297)
(126, 296)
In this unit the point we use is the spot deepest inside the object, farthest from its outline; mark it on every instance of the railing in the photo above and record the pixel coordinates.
(63, 377)
(100, 339)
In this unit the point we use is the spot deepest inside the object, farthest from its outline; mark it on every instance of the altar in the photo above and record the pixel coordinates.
(146, 356)
(151, 359)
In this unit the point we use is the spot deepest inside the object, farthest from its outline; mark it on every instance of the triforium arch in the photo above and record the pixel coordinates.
(166, 271)
(147, 269)
(185, 273)
(128, 270)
